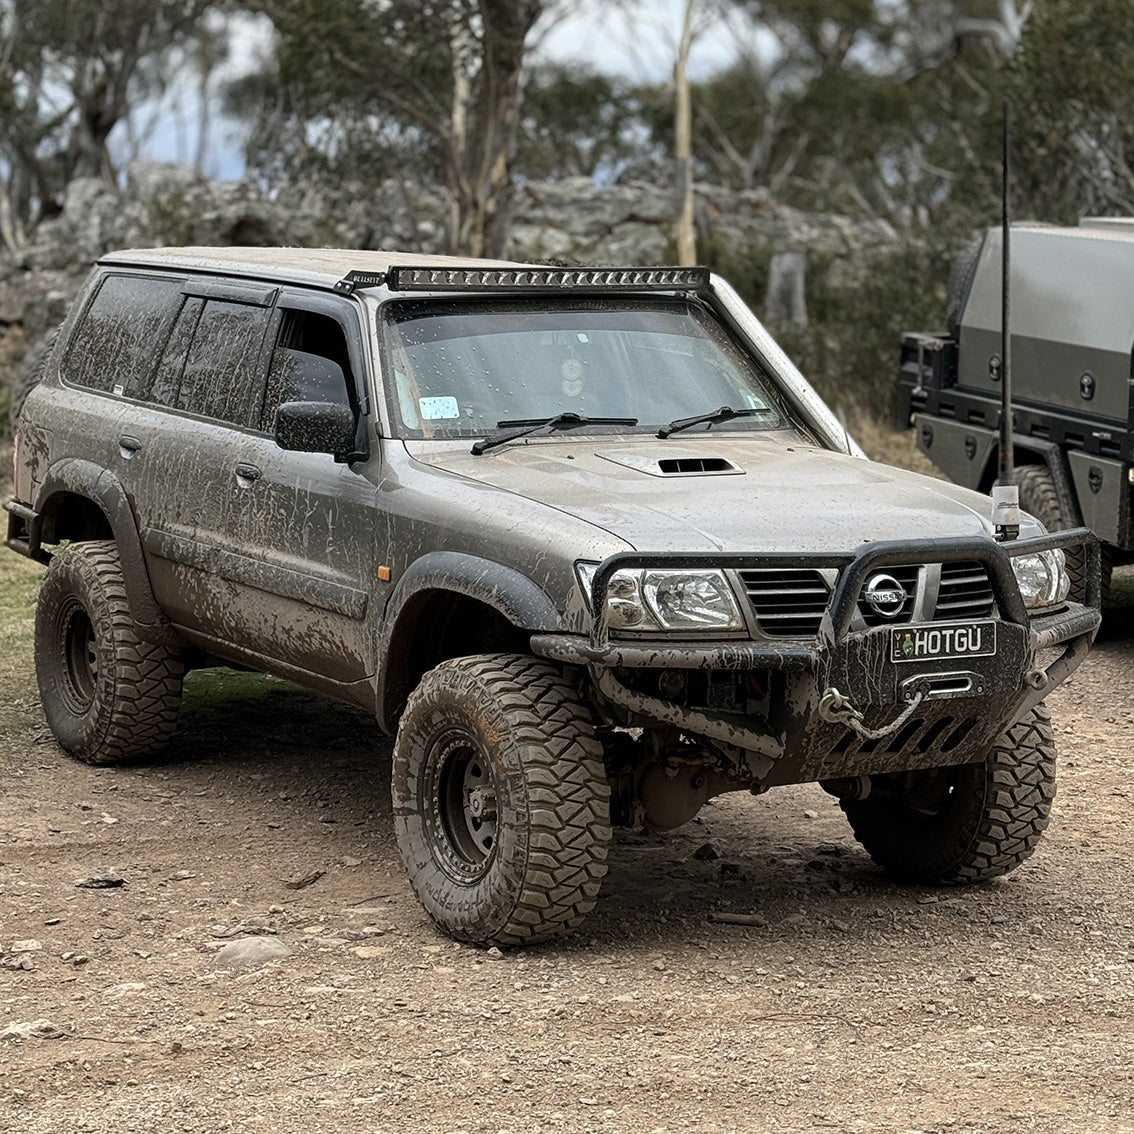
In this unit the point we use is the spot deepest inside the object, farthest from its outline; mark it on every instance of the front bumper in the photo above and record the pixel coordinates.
(777, 685)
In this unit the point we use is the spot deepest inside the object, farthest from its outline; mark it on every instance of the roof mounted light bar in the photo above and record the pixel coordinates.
(401, 278)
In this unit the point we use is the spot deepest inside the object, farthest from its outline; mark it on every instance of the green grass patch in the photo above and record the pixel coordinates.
(19, 586)
(208, 688)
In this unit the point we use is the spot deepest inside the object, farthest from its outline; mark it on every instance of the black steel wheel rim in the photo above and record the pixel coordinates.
(80, 658)
(459, 791)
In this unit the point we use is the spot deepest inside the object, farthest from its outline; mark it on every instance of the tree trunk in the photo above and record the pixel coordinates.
(683, 144)
(786, 298)
(486, 114)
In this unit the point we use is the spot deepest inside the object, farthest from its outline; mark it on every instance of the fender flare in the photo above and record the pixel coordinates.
(1055, 459)
(73, 476)
(509, 592)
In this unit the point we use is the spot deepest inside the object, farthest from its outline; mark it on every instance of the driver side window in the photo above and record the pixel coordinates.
(307, 341)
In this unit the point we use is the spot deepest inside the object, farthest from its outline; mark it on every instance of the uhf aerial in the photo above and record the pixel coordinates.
(1005, 493)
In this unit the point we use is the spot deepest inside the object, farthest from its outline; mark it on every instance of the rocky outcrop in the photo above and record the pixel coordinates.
(571, 219)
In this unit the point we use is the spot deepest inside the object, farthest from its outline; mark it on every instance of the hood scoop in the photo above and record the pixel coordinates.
(678, 464)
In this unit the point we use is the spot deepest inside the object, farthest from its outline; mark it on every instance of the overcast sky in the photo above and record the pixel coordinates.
(592, 33)
(640, 44)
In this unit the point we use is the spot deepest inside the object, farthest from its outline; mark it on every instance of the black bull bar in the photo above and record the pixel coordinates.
(803, 742)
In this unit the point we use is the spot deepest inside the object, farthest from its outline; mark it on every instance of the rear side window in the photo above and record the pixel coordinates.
(212, 363)
(223, 377)
(113, 346)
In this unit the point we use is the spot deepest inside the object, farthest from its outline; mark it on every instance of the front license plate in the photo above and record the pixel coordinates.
(949, 640)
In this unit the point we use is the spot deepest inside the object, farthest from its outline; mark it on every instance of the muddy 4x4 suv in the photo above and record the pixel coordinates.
(585, 540)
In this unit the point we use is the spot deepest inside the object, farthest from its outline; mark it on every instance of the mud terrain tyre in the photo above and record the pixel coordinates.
(108, 696)
(34, 364)
(501, 806)
(1039, 497)
(969, 823)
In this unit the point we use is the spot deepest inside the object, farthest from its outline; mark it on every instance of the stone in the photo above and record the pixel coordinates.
(128, 988)
(33, 1029)
(786, 299)
(103, 880)
(249, 952)
(301, 881)
(31, 945)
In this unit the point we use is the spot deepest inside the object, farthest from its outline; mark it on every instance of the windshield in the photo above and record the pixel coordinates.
(464, 368)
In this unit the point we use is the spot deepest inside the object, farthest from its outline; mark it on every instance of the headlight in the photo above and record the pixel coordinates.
(691, 600)
(646, 599)
(1042, 577)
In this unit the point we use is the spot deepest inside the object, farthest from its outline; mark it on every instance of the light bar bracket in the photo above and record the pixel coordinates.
(404, 278)
(352, 281)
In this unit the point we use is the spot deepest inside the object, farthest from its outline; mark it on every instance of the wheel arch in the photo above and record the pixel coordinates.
(1030, 451)
(449, 604)
(80, 501)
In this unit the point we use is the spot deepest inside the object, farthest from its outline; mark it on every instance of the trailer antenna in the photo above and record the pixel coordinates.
(1006, 492)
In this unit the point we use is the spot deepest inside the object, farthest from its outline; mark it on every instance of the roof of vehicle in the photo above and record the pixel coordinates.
(1118, 230)
(321, 267)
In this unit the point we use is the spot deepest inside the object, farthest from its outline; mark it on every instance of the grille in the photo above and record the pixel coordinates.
(907, 577)
(788, 602)
(965, 592)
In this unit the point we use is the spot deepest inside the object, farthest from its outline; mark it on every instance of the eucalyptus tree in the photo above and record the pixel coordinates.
(70, 72)
(358, 89)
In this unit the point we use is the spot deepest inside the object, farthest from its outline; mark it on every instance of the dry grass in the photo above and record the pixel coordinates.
(882, 442)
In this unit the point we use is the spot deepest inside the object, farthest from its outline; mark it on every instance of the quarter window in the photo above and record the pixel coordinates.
(114, 344)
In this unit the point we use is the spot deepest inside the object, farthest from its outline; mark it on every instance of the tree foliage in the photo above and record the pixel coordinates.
(1069, 85)
(70, 72)
(578, 123)
(425, 87)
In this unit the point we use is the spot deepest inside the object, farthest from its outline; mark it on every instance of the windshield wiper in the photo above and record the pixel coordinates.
(725, 413)
(533, 427)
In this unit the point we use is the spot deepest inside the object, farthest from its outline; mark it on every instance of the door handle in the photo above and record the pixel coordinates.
(247, 473)
(128, 445)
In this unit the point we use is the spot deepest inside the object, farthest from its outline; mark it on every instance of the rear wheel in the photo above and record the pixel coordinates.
(501, 806)
(1039, 497)
(108, 695)
(968, 823)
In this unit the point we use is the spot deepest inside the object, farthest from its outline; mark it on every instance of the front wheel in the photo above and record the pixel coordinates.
(968, 823)
(501, 806)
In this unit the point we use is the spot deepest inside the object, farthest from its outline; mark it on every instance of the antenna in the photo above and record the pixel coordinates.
(1005, 493)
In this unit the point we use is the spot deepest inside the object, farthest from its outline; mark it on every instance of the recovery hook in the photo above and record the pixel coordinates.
(837, 709)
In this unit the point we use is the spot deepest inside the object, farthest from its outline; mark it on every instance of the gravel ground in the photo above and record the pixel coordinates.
(849, 1003)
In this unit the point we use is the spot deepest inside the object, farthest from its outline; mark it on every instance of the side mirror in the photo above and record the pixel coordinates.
(316, 427)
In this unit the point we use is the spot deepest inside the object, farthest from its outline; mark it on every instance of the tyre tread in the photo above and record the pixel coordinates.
(565, 783)
(1006, 811)
(137, 709)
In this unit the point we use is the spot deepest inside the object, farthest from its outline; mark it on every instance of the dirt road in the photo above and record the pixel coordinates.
(852, 1004)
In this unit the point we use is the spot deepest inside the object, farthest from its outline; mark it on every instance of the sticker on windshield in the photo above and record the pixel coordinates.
(572, 371)
(438, 409)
